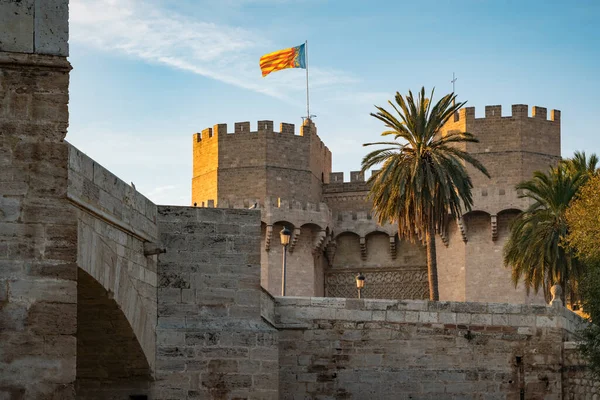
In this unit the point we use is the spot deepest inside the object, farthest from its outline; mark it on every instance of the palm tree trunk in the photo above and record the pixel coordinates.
(432, 265)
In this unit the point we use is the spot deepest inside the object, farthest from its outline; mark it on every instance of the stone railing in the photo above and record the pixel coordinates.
(517, 318)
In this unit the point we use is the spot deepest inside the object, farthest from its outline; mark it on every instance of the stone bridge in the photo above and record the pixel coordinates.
(91, 307)
(87, 310)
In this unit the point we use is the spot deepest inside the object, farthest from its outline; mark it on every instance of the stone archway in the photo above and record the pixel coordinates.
(110, 361)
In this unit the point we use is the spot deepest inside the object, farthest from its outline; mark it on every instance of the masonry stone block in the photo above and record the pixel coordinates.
(428, 317)
(10, 208)
(546, 321)
(395, 316)
(411, 316)
(17, 26)
(447, 318)
(481, 319)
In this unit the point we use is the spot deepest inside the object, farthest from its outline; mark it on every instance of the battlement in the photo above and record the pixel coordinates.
(338, 177)
(518, 111)
(337, 184)
(267, 203)
(348, 216)
(262, 127)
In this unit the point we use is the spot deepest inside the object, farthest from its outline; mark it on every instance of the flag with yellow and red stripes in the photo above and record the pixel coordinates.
(294, 57)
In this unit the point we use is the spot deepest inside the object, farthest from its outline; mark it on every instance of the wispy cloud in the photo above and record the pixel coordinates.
(143, 30)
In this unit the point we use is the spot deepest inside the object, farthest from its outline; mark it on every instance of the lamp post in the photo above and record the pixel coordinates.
(360, 283)
(285, 235)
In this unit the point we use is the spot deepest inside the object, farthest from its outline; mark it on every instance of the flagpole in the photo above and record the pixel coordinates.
(307, 98)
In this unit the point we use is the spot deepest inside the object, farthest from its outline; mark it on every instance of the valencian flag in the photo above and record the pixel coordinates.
(294, 57)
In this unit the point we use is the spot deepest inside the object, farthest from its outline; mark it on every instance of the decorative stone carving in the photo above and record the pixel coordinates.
(330, 252)
(444, 238)
(152, 249)
(393, 246)
(363, 248)
(556, 292)
(494, 218)
(326, 241)
(319, 240)
(295, 238)
(268, 236)
(380, 284)
(462, 228)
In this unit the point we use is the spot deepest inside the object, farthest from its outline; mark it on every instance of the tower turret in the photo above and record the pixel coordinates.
(259, 164)
(511, 147)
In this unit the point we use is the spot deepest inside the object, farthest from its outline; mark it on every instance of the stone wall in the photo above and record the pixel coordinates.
(474, 270)
(211, 340)
(578, 381)
(511, 147)
(356, 349)
(310, 224)
(38, 230)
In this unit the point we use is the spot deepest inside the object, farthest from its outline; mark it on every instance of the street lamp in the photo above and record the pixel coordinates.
(285, 235)
(360, 283)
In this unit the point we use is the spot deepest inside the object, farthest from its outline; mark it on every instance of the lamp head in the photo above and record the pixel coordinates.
(360, 281)
(285, 235)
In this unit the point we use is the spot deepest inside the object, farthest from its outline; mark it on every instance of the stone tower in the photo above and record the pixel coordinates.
(280, 173)
(470, 266)
(258, 164)
(38, 227)
(334, 234)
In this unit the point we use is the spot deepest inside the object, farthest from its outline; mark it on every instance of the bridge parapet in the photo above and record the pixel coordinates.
(114, 223)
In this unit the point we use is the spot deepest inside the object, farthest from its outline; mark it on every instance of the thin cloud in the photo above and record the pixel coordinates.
(142, 30)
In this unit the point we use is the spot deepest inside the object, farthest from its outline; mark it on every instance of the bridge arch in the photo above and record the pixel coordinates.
(110, 360)
(115, 260)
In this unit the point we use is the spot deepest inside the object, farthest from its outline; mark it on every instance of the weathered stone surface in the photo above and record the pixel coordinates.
(51, 27)
(211, 340)
(460, 350)
(100, 192)
(38, 244)
(578, 382)
(35, 26)
(17, 26)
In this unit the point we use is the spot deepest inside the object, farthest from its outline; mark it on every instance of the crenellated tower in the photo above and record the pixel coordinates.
(288, 177)
(512, 147)
(280, 173)
(259, 164)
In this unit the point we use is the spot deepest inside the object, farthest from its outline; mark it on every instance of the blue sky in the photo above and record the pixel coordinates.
(149, 73)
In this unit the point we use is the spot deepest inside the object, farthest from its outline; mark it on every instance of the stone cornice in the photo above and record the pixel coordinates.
(18, 60)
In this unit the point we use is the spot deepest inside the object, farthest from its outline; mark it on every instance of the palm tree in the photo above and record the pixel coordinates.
(423, 178)
(581, 163)
(535, 248)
